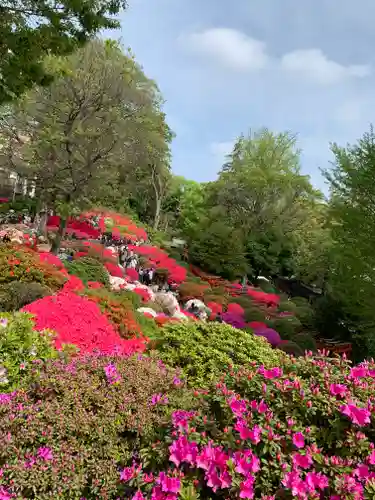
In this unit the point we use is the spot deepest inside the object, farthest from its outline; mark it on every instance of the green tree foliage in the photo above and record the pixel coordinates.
(262, 199)
(81, 137)
(352, 275)
(32, 29)
(219, 249)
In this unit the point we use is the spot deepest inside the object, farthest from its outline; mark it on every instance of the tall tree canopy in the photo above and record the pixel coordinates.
(83, 136)
(261, 193)
(352, 276)
(32, 29)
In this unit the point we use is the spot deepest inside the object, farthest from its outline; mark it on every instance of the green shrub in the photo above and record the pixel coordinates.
(89, 269)
(148, 326)
(91, 425)
(305, 341)
(15, 295)
(287, 326)
(253, 313)
(20, 345)
(291, 348)
(23, 264)
(205, 350)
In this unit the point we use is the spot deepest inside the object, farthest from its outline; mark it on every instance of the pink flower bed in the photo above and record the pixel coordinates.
(79, 321)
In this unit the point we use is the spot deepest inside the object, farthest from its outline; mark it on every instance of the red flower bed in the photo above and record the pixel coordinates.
(161, 260)
(132, 273)
(143, 293)
(79, 321)
(114, 270)
(51, 259)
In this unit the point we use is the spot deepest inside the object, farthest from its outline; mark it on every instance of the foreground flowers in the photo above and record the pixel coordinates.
(258, 432)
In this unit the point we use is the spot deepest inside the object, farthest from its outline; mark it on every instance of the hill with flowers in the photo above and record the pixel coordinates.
(128, 394)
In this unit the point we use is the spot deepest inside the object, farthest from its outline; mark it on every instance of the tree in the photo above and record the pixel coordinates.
(32, 29)
(218, 248)
(83, 129)
(352, 276)
(261, 192)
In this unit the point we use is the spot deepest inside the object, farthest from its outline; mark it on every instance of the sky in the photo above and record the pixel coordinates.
(225, 68)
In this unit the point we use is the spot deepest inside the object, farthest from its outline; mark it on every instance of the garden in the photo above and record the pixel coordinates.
(111, 390)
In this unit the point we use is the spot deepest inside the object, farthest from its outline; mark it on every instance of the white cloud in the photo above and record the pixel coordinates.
(230, 48)
(351, 110)
(221, 149)
(235, 50)
(314, 65)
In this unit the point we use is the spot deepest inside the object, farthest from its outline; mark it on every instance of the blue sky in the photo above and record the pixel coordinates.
(225, 67)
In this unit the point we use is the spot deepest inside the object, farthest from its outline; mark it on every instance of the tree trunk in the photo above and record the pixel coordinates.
(59, 236)
(157, 213)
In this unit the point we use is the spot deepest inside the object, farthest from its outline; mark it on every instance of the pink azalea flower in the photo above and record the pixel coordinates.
(271, 373)
(262, 407)
(293, 482)
(148, 478)
(362, 471)
(298, 440)
(247, 488)
(302, 461)
(246, 462)
(180, 418)
(127, 474)
(4, 494)
(371, 458)
(138, 496)
(45, 453)
(238, 406)
(316, 480)
(359, 416)
(183, 450)
(358, 372)
(168, 484)
(338, 390)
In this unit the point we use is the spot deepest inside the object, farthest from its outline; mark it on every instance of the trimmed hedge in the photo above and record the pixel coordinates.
(15, 295)
(89, 269)
(204, 351)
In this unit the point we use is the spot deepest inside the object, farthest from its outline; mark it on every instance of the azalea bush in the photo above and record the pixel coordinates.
(89, 269)
(301, 430)
(23, 264)
(119, 310)
(79, 321)
(21, 349)
(16, 294)
(205, 350)
(86, 421)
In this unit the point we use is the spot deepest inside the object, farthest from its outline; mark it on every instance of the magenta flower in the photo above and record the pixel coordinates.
(316, 480)
(271, 373)
(262, 407)
(138, 496)
(127, 474)
(338, 389)
(4, 494)
(293, 482)
(246, 462)
(247, 488)
(298, 440)
(183, 450)
(111, 373)
(359, 416)
(238, 406)
(168, 484)
(180, 418)
(302, 461)
(359, 372)
(159, 399)
(45, 453)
